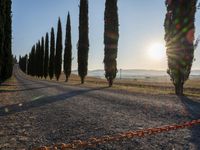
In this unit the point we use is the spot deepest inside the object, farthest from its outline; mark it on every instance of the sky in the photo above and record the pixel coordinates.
(141, 40)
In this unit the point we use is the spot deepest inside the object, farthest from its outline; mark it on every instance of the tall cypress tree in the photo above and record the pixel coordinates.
(46, 58)
(23, 63)
(15, 59)
(68, 49)
(52, 55)
(41, 74)
(58, 57)
(29, 64)
(83, 43)
(2, 16)
(179, 37)
(20, 60)
(38, 65)
(32, 61)
(111, 36)
(7, 65)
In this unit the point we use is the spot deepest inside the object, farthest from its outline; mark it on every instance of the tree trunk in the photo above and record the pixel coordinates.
(82, 80)
(110, 82)
(179, 89)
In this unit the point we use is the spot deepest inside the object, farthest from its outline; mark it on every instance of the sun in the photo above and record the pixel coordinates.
(156, 51)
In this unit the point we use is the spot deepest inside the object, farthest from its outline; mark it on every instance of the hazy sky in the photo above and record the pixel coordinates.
(141, 27)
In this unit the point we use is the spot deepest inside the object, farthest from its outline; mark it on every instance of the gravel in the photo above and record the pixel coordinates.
(43, 113)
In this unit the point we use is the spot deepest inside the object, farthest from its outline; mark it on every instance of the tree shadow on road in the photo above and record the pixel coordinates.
(193, 108)
(7, 84)
(11, 109)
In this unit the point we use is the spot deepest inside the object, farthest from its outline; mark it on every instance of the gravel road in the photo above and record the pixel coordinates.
(47, 112)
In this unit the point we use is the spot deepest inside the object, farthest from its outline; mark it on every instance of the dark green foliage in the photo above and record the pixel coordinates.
(179, 37)
(68, 49)
(46, 57)
(6, 58)
(38, 65)
(32, 62)
(111, 36)
(2, 17)
(29, 65)
(52, 55)
(41, 58)
(23, 63)
(58, 57)
(15, 59)
(83, 43)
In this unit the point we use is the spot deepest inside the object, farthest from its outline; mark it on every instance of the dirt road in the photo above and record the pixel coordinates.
(47, 112)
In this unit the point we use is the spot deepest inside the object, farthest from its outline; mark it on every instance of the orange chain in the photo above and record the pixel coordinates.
(79, 144)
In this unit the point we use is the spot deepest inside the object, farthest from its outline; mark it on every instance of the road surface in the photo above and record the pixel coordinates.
(48, 112)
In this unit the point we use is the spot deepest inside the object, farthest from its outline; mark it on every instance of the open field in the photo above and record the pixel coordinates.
(36, 112)
(154, 85)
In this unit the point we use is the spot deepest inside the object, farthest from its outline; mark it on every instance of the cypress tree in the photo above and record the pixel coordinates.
(23, 63)
(29, 69)
(33, 65)
(15, 59)
(41, 74)
(111, 36)
(46, 58)
(31, 62)
(38, 65)
(20, 60)
(179, 37)
(29, 65)
(83, 43)
(2, 16)
(52, 55)
(58, 57)
(7, 65)
(68, 49)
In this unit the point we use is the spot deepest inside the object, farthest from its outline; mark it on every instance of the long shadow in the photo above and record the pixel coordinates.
(11, 109)
(193, 108)
(26, 89)
(5, 84)
(26, 84)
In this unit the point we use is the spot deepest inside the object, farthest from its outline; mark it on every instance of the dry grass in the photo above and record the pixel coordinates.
(8, 92)
(9, 84)
(154, 85)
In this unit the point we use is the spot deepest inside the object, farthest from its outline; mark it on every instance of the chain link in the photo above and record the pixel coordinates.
(92, 142)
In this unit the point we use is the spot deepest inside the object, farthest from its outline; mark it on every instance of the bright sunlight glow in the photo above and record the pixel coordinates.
(156, 51)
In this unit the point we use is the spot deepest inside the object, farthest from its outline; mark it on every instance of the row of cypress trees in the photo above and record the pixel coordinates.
(6, 58)
(179, 37)
(39, 63)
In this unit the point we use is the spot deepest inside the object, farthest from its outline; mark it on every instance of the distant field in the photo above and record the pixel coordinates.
(153, 85)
